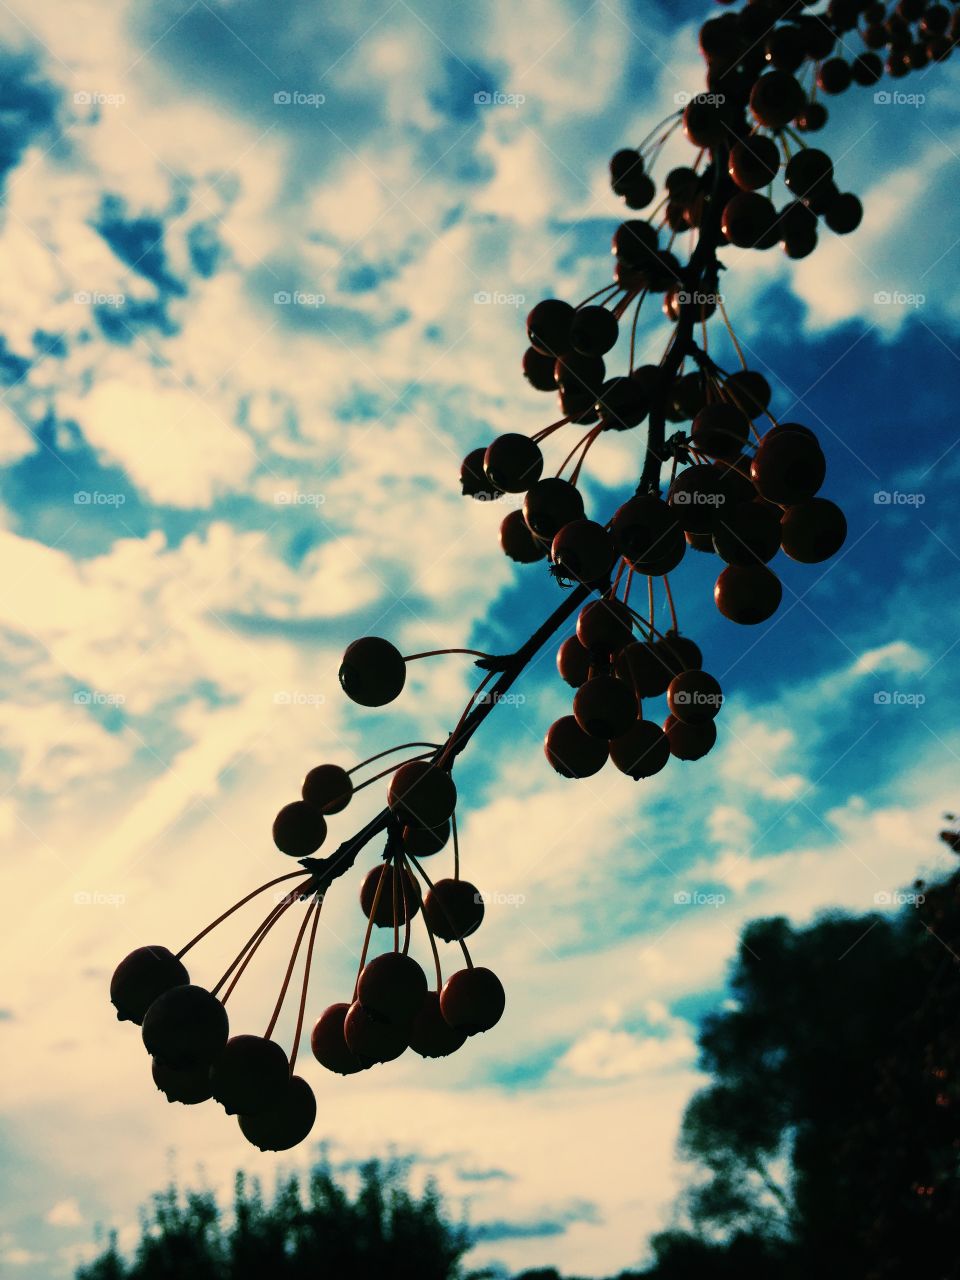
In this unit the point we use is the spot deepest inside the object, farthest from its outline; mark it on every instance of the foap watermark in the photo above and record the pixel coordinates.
(898, 698)
(897, 298)
(95, 698)
(485, 299)
(94, 498)
(899, 898)
(894, 498)
(698, 698)
(297, 98)
(686, 299)
(897, 98)
(683, 99)
(89, 98)
(297, 498)
(298, 298)
(497, 899)
(492, 698)
(97, 298)
(696, 498)
(298, 698)
(98, 898)
(697, 898)
(494, 98)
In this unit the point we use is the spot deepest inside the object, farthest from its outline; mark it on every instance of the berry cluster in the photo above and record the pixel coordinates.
(734, 490)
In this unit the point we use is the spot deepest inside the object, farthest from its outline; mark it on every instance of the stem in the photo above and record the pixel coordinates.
(673, 611)
(373, 916)
(236, 907)
(257, 939)
(286, 977)
(456, 847)
(404, 746)
(423, 875)
(306, 982)
(436, 653)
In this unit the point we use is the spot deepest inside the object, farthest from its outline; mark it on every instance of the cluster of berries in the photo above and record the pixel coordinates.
(732, 491)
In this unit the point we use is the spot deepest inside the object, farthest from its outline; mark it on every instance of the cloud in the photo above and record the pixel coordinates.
(65, 1213)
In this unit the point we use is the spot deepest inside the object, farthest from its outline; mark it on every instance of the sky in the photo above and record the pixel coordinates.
(265, 271)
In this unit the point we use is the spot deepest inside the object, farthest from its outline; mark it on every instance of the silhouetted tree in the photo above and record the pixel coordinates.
(317, 1230)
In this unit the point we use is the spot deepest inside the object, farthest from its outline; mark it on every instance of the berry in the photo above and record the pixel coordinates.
(472, 1000)
(605, 707)
(812, 118)
(185, 1028)
(424, 841)
(775, 99)
(141, 977)
(392, 986)
(549, 505)
(188, 1087)
(573, 662)
(642, 751)
(677, 653)
(720, 430)
(408, 896)
(473, 478)
(834, 76)
(580, 376)
(594, 331)
(807, 170)
(702, 122)
(747, 594)
(286, 1123)
(682, 184)
(648, 534)
(750, 390)
(538, 371)
(584, 551)
(867, 69)
(786, 48)
(635, 243)
(370, 1040)
(453, 909)
(372, 672)
(625, 168)
(641, 668)
(548, 327)
(299, 829)
(747, 220)
(431, 1035)
(694, 697)
(754, 162)
(518, 542)
(689, 741)
(329, 1044)
(622, 404)
(696, 498)
(513, 462)
(788, 467)
(250, 1075)
(844, 214)
(641, 193)
(604, 624)
(328, 788)
(571, 752)
(421, 794)
(748, 533)
(813, 531)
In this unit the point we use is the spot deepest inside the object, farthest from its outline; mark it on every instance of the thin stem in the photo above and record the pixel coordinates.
(383, 773)
(315, 907)
(650, 601)
(253, 942)
(396, 908)
(582, 441)
(471, 703)
(402, 874)
(456, 846)
(607, 288)
(673, 611)
(591, 440)
(433, 948)
(286, 977)
(423, 875)
(633, 330)
(372, 917)
(549, 430)
(404, 746)
(733, 336)
(436, 653)
(236, 907)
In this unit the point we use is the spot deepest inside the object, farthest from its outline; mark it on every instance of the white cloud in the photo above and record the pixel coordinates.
(65, 1213)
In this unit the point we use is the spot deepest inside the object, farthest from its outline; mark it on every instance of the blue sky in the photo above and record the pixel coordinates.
(268, 479)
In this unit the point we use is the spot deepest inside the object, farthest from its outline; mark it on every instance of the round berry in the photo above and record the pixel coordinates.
(286, 1123)
(549, 505)
(421, 794)
(431, 1036)
(640, 667)
(548, 327)
(626, 167)
(392, 987)
(571, 752)
(694, 697)
(594, 331)
(747, 220)
(748, 594)
(748, 533)
(775, 99)
(584, 551)
(250, 1075)
(473, 478)
(141, 977)
(329, 1044)
(788, 467)
(518, 542)
(299, 829)
(424, 841)
(372, 672)
(408, 896)
(642, 751)
(573, 662)
(605, 624)
(513, 462)
(834, 76)
(605, 707)
(648, 534)
(689, 741)
(622, 404)
(844, 214)
(185, 1028)
(696, 498)
(750, 390)
(371, 1040)
(702, 122)
(328, 788)
(453, 909)
(472, 1000)
(754, 162)
(538, 370)
(813, 531)
(720, 430)
(188, 1087)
